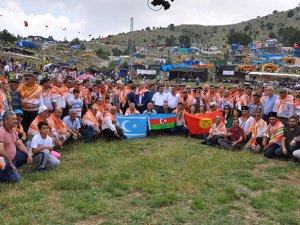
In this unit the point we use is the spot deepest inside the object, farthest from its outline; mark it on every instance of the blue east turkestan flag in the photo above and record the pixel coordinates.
(134, 126)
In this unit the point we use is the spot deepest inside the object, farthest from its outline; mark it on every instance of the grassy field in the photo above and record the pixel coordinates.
(158, 180)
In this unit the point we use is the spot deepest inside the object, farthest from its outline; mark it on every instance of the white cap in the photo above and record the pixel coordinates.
(42, 108)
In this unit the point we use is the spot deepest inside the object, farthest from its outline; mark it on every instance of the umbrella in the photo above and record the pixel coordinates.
(85, 76)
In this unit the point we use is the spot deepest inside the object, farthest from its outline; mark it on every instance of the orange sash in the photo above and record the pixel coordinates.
(56, 90)
(254, 128)
(30, 96)
(122, 96)
(246, 100)
(280, 103)
(221, 129)
(90, 119)
(2, 100)
(56, 124)
(19, 130)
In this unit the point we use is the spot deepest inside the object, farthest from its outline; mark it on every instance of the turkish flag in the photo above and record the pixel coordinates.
(201, 124)
(26, 23)
(296, 46)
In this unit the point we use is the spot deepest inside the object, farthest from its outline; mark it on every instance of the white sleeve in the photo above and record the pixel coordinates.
(35, 141)
(41, 100)
(110, 124)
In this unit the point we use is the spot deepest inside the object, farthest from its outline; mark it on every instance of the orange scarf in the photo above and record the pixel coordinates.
(2, 100)
(109, 115)
(56, 124)
(122, 96)
(246, 100)
(90, 119)
(57, 90)
(254, 128)
(297, 102)
(221, 129)
(275, 133)
(33, 129)
(30, 95)
(280, 103)
(141, 92)
(19, 129)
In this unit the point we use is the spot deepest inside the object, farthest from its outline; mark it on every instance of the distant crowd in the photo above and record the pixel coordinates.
(38, 119)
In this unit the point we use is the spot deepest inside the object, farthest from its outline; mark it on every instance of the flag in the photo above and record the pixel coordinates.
(90, 35)
(296, 46)
(162, 121)
(134, 126)
(26, 23)
(46, 25)
(201, 124)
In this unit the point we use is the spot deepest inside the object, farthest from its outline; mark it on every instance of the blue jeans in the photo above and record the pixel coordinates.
(89, 133)
(179, 129)
(211, 141)
(10, 176)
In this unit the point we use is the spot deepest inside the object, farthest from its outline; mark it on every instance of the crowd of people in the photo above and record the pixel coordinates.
(38, 118)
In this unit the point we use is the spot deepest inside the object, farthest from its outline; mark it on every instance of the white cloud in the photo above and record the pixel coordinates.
(100, 18)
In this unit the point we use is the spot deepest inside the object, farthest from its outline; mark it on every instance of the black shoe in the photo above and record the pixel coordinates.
(41, 170)
(203, 143)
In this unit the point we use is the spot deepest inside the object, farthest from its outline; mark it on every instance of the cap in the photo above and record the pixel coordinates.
(43, 108)
(272, 114)
(245, 108)
(283, 90)
(185, 91)
(18, 111)
(213, 104)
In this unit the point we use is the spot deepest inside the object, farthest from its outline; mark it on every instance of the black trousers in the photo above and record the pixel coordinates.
(28, 118)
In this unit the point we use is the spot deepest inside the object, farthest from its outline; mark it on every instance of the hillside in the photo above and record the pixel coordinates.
(205, 36)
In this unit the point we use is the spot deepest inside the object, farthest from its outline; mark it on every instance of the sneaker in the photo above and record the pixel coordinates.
(41, 170)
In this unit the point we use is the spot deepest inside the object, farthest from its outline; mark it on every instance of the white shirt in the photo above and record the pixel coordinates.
(172, 100)
(246, 125)
(38, 141)
(60, 100)
(107, 124)
(159, 99)
(6, 68)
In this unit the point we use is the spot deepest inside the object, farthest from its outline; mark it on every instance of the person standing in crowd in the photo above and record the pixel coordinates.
(167, 88)
(271, 140)
(158, 99)
(227, 100)
(180, 121)
(228, 118)
(257, 128)
(284, 106)
(57, 95)
(212, 96)
(77, 103)
(256, 105)
(121, 97)
(31, 97)
(234, 137)
(142, 97)
(86, 95)
(42, 146)
(297, 105)
(47, 98)
(269, 102)
(14, 94)
(173, 98)
(187, 99)
(247, 98)
(12, 149)
(152, 90)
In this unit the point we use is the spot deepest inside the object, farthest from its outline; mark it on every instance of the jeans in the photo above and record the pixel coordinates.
(179, 129)
(89, 133)
(45, 160)
(211, 141)
(10, 176)
(228, 145)
(273, 150)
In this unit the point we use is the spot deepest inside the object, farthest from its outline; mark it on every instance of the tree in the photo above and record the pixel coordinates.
(116, 52)
(75, 41)
(241, 38)
(275, 12)
(171, 27)
(147, 29)
(6, 36)
(170, 41)
(272, 35)
(185, 41)
(269, 26)
(288, 36)
(290, 14)
(102, 54)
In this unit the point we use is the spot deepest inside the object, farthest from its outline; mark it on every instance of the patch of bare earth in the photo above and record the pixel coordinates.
(90, 221)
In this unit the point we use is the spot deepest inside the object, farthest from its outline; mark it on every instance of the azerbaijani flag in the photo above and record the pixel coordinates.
(161, 121)
(201, 124)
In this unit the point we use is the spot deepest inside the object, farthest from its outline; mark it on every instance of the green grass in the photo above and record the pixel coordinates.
(157, 180)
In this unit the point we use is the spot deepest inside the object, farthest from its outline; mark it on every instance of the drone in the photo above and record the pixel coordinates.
(163, 3)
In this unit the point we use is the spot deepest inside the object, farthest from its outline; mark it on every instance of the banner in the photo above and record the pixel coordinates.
(146, 72)
(134, 126)
(162, 121)
(201, 124)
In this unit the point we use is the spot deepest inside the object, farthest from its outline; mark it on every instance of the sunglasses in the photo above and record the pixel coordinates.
(256, 115)
(226, 109)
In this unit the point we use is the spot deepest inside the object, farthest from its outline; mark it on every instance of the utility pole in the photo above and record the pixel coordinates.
(131, 43)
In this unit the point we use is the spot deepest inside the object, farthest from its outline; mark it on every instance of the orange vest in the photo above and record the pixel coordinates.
(30, 96)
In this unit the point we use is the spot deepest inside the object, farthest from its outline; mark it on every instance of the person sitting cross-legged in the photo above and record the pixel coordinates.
(271, 139)
(217, 131)
(42, 146)
(234, 137)
(110, 129)
(91, 128)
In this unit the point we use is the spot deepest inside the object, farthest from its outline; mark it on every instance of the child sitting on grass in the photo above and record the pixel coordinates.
(42, 146)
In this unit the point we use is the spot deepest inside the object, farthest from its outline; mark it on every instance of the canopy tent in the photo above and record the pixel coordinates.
(274, 75)
(269, 67)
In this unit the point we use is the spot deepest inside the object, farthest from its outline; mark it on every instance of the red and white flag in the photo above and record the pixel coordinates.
(25, 23)
(296, 46)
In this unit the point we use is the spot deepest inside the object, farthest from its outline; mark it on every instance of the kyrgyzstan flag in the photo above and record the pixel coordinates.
(296, 46)
(26, 23)
(201, 124)
(161, 121)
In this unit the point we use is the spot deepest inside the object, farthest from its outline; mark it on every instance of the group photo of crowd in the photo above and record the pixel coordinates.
(41, 114)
